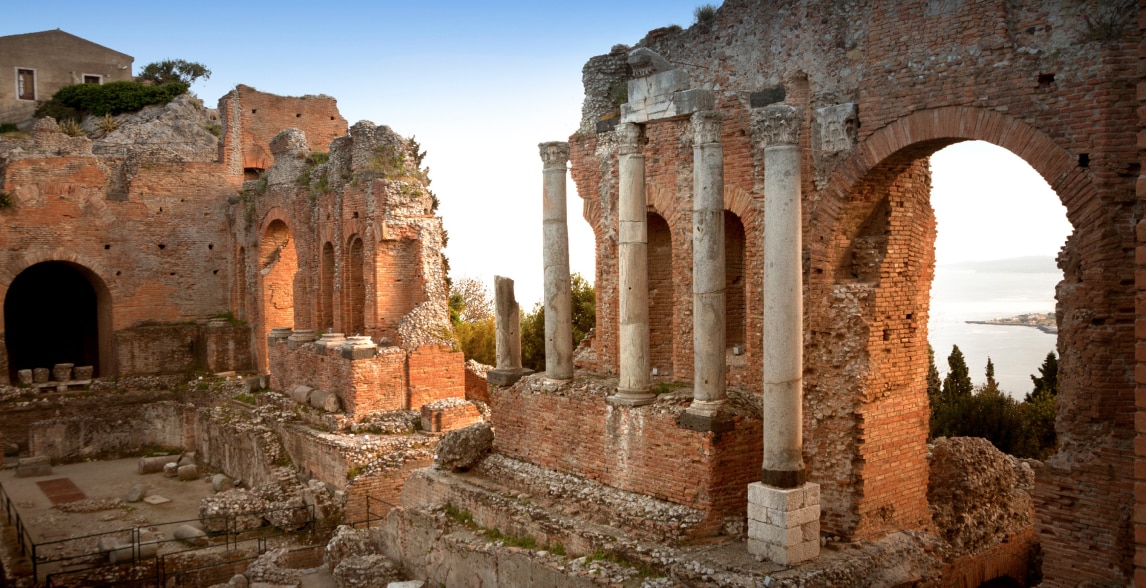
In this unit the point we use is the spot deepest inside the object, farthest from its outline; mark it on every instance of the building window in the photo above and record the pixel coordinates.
(90, 79)
(26, 84)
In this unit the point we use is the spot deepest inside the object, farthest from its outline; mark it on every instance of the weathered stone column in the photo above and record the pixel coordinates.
(558, 291)
(507, 319)
(708, 314)
(633, 270)
(783, 509)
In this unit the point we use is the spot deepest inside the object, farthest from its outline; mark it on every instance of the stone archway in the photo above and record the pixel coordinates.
(58, 312)
(871, 266)
(277, 266)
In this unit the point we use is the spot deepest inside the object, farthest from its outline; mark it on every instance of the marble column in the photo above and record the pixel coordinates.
(783, 509)
(558, 291)
(507, 321)
(634, 382)
(708, 314)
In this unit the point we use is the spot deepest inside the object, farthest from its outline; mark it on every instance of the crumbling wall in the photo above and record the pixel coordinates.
(875, 107)
(261, 116)
(109, 431)
(643, 450)
(151, 239)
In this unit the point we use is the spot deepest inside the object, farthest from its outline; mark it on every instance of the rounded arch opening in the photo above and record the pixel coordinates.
(354, 271)
(278, 264)
(661, 334)
(58, 312)
(326, 288)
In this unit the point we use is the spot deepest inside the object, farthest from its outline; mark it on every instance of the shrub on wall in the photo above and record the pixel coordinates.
(112, 98)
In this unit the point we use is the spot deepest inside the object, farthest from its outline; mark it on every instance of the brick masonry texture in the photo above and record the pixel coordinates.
(1051, 82)
(169, 246)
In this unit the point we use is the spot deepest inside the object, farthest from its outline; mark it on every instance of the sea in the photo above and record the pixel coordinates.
(976, 291)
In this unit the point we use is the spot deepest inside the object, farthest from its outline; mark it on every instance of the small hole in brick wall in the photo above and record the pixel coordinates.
(909, 316)
(1045, 79)
(355, 215)
(254, 110)
(1083, 160)
(886, 335)
(210, 246)
(183, 200)
(1098, 321)
(819, 270)
(162, 246)
(332, 118)
(107, 247)
(299, 115)
(173, 273)
(118, 273)
(215, 272)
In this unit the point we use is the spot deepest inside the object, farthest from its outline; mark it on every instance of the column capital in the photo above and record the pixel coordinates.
(628, 138)
(706, 126)
(554, 153)
(778, 124)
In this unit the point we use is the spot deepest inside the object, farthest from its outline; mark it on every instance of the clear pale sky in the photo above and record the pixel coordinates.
(480, 85)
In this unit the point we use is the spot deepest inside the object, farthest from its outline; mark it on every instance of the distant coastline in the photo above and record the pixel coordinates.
(1043, 321)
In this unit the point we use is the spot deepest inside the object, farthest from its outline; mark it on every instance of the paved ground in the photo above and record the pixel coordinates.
(60, 531)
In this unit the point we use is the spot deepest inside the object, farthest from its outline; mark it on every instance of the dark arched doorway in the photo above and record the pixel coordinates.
(52, 315)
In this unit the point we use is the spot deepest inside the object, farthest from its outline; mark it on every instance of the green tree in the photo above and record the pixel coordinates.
(471, 317)
(1046, 383)
(173, 70)
(934, 382)
(584, 315)
(957, 384)
(991, 383)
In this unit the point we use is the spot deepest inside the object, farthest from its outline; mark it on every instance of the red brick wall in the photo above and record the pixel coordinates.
(435, 373)
(399, 286)
(1046, 83)
(449, 418)
(635, 449)
(262, 116)
(363, 386)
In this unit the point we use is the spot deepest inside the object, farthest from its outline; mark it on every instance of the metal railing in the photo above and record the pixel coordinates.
(238, 548)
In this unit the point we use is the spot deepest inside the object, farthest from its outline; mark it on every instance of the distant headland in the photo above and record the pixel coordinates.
(1043, 321)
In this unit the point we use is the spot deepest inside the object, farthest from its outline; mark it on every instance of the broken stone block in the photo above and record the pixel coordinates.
(24, 377)
(171, 469)
(41, 375)
(329, 341)
(155, 499)
(461, 449)
(242, 506)
(34, 466)
(84, 372)
(188, 472)
(327, 401)
(367, 571)
(221, 483)
(279, 335)
(301, 394)
(190, 535)
(154, 465)
(187, 459)
(62, 372)
(300, 337)
(135, 494)
(358, 347)
(506, 377)
(238, 581)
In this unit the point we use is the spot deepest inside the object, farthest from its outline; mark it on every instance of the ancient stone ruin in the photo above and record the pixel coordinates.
(751, 408)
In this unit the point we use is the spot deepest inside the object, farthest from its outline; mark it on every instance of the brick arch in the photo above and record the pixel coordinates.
(924, 132)
(98, 275)
(276, 290)
(877, 204)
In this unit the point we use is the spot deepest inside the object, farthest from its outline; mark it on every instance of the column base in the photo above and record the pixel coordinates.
(784, 524)
(631, 398)
(784, 478)
(706, 417)
(506, 377)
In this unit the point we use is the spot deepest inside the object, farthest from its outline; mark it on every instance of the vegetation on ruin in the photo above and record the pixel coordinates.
(8, 128)
(173, 71)
(71, 128)
(78, 100)
(246, 398)
(214, 128)
(961, 409)
(643, 569)
(704, 13)
(107, 124)
(6, 201)
(1108, 20)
